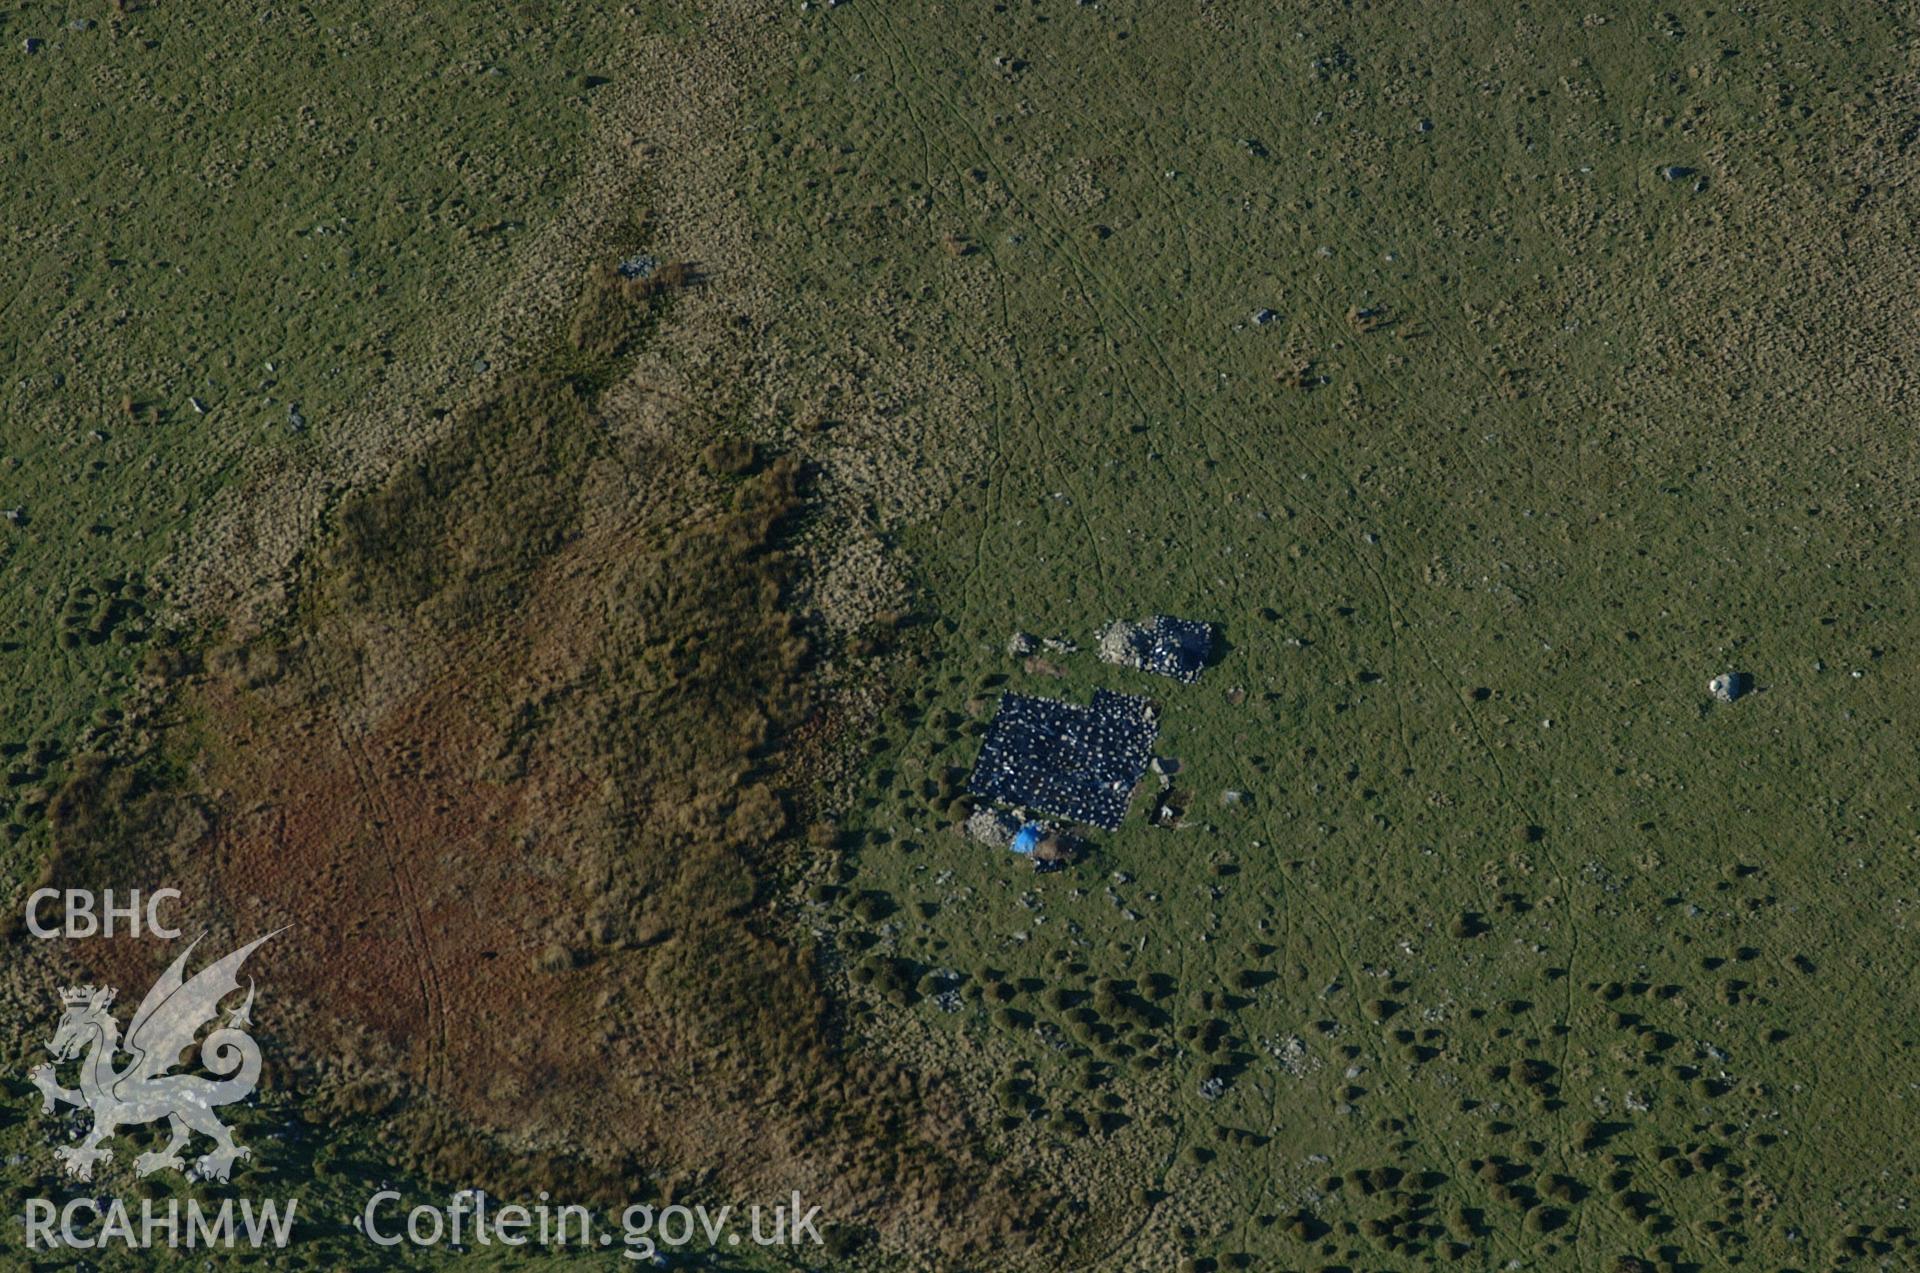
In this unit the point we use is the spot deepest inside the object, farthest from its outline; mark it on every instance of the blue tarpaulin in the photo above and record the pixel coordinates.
(1027, 840)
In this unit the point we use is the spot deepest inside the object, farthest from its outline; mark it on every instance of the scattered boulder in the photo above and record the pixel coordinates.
(993, 827)
(1163, 645)
(1171, 811)
(1021, 644)
(1729, 685)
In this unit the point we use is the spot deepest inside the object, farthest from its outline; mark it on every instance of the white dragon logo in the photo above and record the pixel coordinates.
(142, 1091)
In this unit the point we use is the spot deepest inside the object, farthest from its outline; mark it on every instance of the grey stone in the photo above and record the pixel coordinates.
(993, 827)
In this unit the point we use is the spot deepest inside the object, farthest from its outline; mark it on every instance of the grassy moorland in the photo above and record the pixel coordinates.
(227, 228)
(1580, 385)
(1492, 380)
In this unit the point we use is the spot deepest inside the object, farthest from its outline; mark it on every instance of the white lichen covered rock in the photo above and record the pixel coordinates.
(1727, 686)
(993, 827)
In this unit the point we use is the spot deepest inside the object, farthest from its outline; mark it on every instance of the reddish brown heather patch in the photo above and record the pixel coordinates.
(511, 770)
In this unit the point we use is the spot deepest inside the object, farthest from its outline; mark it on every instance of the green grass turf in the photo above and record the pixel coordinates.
(1538, 441)
(262, 209)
